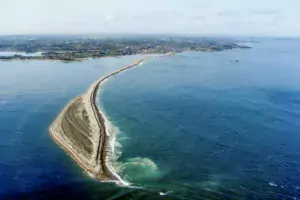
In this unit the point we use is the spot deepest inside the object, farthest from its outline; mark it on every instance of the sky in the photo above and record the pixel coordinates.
(200, 17)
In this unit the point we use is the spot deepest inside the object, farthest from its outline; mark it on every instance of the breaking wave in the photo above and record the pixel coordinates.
(139, 169)
(133, 169)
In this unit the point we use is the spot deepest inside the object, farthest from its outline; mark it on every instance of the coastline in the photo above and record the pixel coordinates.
(39, 58)
(81, 118)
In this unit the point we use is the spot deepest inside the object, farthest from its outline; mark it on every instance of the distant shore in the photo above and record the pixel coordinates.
(79, 49)
(81, 131)
(10, 58)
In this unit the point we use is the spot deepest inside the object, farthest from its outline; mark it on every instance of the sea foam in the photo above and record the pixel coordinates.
(133, 169)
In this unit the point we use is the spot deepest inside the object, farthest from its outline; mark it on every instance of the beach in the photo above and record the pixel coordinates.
(177, 124)
(80, 129)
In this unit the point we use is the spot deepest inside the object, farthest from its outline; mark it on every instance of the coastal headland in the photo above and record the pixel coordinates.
(81, 130)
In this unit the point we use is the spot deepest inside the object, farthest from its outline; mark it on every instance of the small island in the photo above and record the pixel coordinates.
(78, 48)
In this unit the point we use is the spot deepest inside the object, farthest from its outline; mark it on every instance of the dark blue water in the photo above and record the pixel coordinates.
(32, 93)
(203, 125)
(191, 126)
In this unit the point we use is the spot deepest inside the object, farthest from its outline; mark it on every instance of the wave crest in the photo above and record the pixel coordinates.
(133, 169)
(138, 169)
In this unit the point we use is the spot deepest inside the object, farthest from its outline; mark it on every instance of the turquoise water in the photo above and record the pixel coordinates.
(202, 125)
(32, 93)
(191, 126)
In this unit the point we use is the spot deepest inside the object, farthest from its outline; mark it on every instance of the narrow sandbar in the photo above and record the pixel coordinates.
(81, 131)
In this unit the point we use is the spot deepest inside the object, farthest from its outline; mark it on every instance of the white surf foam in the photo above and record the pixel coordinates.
(133, 169)
(165, 193)
(138, 169)
(144, 168)
(111, 132)
(273, 184)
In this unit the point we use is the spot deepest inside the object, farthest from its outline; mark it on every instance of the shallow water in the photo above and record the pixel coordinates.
(32, 93)
(203, 125)
(191, 126)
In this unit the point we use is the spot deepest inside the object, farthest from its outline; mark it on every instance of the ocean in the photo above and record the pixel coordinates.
(196, 125)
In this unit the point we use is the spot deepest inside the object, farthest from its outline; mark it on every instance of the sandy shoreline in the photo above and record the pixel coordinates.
(81, 130)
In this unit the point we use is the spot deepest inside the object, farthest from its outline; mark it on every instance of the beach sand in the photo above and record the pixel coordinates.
(80, 129)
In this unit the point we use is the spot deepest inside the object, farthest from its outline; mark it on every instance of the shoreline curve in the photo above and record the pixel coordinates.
(81, 130)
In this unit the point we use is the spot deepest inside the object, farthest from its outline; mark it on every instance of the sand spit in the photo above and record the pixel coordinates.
(80, 130)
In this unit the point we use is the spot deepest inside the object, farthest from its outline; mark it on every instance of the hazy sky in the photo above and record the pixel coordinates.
(236, 17)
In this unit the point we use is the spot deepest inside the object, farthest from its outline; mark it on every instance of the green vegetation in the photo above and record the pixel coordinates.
(76, 48)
